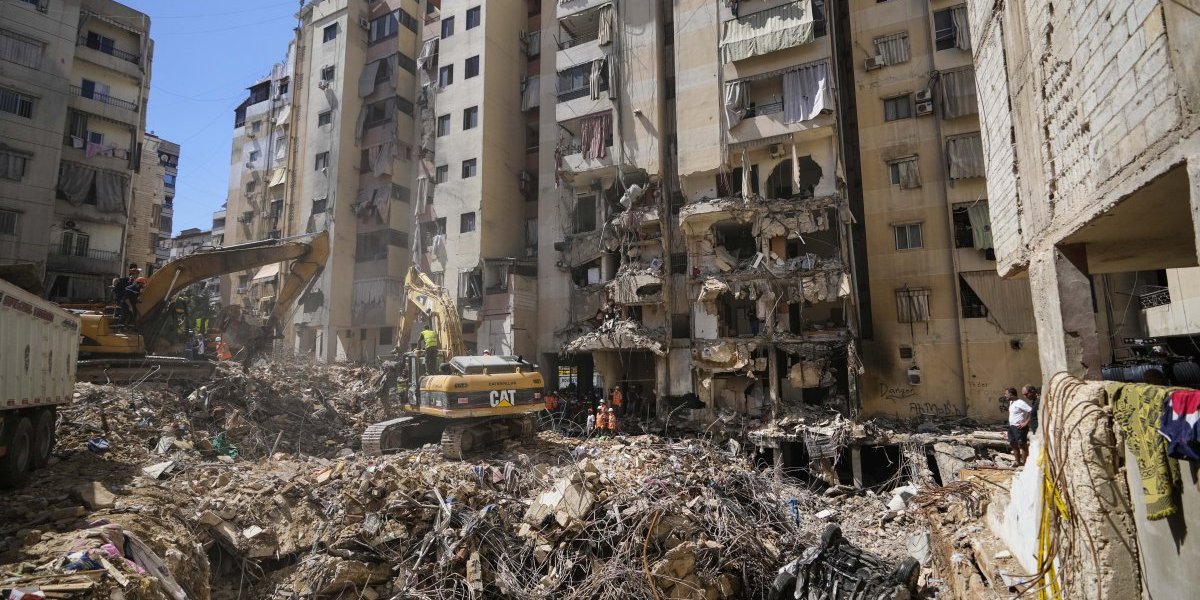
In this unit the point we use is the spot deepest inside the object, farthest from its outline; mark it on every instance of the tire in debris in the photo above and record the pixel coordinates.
(907, 573)
(831, 535)
(18, 460)
(43, 437)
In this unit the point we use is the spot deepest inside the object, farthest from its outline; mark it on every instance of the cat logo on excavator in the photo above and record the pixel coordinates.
(502, 397)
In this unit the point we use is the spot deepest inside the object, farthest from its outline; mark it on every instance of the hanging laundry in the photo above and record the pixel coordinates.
(1181, 424)
(1138, 408)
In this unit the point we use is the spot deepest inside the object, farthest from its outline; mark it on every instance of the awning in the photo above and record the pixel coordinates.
(768, 30)
(284, 113)
(278, 177)
(1008, 301)
(267, 272)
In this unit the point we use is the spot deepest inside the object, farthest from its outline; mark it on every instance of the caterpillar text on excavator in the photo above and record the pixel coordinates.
(153, 345)
(465, 402)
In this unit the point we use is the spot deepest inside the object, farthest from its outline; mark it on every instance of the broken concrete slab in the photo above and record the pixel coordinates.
(95, 496)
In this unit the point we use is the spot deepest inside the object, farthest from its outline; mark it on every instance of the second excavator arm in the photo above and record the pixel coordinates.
(307, 255)
(423, 296)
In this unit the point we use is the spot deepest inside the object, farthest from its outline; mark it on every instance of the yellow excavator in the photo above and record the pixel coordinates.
(149, 347)
(465, 402)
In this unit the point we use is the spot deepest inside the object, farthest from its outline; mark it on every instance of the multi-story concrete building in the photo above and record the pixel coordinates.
(1089, 115)
(188, 241)
(153, 206)
(326, 142)
(942, 334)
(476, 204)
(73, 93)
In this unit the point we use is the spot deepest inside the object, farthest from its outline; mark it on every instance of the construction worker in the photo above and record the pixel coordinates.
(130, 300)
(618, 398)
(430, 340)
(119, 285)
(551, 400)
(612, 422)
(591, 423)
(223, 350)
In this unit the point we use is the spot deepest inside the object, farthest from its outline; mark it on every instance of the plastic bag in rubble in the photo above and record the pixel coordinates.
(80, 561)
(98, 445)
(222, 446)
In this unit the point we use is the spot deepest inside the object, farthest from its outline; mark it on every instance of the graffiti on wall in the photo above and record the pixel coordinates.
(896, 393)
(917, 410)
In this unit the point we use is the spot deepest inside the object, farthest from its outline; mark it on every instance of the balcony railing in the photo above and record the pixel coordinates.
(105, 98)
(576, 41)
(1153, 295)
(95, 44)
(764, 109)
(89, 261)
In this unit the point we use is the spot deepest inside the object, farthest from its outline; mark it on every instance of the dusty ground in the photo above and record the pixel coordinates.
(292, 510)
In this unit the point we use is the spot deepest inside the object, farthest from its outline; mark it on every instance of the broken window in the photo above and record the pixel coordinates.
(912, 305)
(963, 236)
(470, 284)
(779, 182)
(735, 181)
(681, 326)
(585, 213)
(737, 317)
(586, 274)
(972, 305)
(736, 238)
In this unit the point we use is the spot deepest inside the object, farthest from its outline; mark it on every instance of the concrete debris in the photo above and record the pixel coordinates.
(618, 334)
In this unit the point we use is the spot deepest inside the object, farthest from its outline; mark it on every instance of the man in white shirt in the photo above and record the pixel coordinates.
(1019, 412)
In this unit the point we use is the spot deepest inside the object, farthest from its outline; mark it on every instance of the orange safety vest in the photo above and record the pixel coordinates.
(612, 421)
(223, 351)
(616, 398)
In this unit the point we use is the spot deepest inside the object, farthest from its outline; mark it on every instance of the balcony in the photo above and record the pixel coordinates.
(104, 105)
(771, 30)
(75, 149)
(107, 48)
(103, 262)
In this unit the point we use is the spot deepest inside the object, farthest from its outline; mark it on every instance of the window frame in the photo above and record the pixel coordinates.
(467, 72)
(908, 242)
(383, 27)
(329, 33)
(13, 218)
(443, 120)
(22, 104)
(321, 161)
(470, 168)
(908, 103)
(473, 121)
(466, 222)
(8, 154)
(447, 27)
(477, 13)
(445, 76)
(324, 118)
(329, 73)
(441, 174)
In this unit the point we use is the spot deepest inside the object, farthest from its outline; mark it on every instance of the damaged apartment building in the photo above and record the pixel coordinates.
(755, 207)
(325, 141)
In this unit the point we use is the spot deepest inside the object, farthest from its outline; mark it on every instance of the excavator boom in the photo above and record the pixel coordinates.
(427, 298)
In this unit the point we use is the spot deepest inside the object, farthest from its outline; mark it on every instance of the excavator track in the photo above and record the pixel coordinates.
(460, 438)
(397, 434)
(144, 368)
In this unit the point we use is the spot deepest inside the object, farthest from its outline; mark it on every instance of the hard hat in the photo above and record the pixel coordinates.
(218, 339)
(610, 410)
(140, 280)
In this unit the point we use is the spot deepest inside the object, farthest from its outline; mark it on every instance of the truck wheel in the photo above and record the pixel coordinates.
(43, 437)
(16, 462)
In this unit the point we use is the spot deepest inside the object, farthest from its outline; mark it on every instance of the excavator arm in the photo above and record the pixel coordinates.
(424, 297)
(307, 255)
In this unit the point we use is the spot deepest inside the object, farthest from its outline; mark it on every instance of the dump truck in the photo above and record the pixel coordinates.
(37, 373)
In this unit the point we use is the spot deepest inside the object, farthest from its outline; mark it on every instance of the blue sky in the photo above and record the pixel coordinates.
(205, 56)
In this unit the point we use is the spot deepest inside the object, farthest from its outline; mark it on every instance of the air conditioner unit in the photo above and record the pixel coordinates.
(914, 375)
(364, 23)
(924, 108)
(925, 95)
(776, 150)
(249, 164)
(875, 62)
(323, 84)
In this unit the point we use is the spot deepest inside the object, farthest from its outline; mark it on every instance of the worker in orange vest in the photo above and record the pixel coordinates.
(617, 398)
(612, 422)
(223, 350)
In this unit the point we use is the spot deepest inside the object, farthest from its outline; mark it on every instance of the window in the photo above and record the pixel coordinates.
(964, 234)
(41, 6)
(679, 263)
(386, 335)
(276, 208)
(283, 86)
(443, 125)
(471, 67)
(468, 168)
(322, 161)
(681, 326)
(909, 236)
(466, 223)
(972, 305)
(383, 28)
(585, 214)
(254, 154)
(470, 118)
(371, 246)
(250, 187)
(406, 62)
(893, 48)
(472, 17)
(14, 102)
(441, 174)
(12, 164)
(945, 28)
(8, 222)
(255, 126)
(328, 73)
(319, 205)
(324, 118)
(446, 76)
(820, 25)
(95, 90)
(408, 21)
(912, 305)
(904, 173)
(75, 243)
(19, 49)
(900, 107)
(906, 352)
(447, 27)
(401, 193)
(384, 72)
(169, 180)
(378, 113)
(330, 33)
(364, 160)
